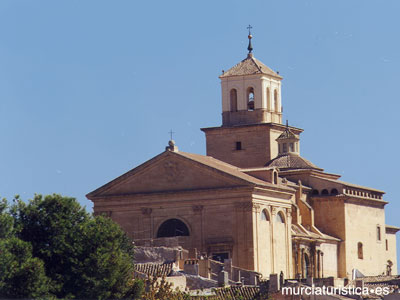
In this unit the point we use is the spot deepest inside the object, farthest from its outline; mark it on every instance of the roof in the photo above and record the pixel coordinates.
(207, 161)
(157, 270)
(291, 161)
(354, 185)
(249, 66)
(287, 134)
(391, 229)
(305, 233)
(224, 167)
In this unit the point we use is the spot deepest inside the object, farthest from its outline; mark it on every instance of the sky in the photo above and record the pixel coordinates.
(90, 89)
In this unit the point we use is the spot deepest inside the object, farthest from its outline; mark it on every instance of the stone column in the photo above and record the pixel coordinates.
(272, 233)
(256, 215)
(302, 263)
(322, 264)
(315, 269)
(299, 261)
(289, 260)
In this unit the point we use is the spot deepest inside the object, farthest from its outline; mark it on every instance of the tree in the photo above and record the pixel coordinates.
(160, 289)
(21, 275)
(84, 256)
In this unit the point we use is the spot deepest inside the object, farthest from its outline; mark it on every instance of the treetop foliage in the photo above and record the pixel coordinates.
(52, 248)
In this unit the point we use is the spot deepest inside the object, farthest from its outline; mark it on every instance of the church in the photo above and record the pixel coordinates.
(253, 198)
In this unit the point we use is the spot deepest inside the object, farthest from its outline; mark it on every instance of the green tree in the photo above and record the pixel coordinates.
(84, 256)
(21, 274)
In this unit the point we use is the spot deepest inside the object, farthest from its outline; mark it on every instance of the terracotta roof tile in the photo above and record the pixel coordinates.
(291, 161)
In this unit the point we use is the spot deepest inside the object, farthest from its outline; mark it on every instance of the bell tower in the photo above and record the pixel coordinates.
(251, 115)
(251, 92)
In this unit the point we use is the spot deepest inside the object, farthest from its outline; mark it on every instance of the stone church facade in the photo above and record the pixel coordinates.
(253, 198)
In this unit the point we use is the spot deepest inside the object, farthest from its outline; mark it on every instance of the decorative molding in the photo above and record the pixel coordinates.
(256, 208)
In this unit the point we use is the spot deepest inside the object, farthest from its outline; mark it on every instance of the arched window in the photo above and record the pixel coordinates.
(280, 218)
(264, 215)
(276, 102)
(324, 192)
(315, 193)
(233, 98)
(172, 227)
(268, 99)
(250, 99)
(360, 250)
(334, 192)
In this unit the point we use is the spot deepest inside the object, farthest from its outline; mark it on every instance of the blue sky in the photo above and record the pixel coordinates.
(90, 89)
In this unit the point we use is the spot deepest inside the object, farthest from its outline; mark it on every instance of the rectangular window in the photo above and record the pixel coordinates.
(291, 147)
(387, 245)
(238, 145)
(284, 148)
(378, 233)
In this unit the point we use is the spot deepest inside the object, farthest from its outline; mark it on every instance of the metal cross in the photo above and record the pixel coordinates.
(249, 28)
(171, 132)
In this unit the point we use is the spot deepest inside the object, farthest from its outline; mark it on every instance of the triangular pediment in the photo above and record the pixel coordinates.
(170, 171)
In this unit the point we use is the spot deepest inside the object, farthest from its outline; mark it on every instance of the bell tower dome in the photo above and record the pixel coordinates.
(251, 93)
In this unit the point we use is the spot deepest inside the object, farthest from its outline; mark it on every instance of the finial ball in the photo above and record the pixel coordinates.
(250, 36)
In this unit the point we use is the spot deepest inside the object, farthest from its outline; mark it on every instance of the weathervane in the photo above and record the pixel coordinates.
(250, 47)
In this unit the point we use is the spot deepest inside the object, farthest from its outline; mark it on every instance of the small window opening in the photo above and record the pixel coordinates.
(378, 233)
(238, 145)
(387, 245)
(360, 250)
(291, 147)
(324, 192)
(275, 178)
(284, 147)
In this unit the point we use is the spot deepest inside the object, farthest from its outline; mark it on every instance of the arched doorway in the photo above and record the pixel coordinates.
(171, 228)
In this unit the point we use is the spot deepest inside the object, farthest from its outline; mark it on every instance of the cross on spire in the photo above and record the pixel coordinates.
(249, 28)
(250, 47)
(171, 133)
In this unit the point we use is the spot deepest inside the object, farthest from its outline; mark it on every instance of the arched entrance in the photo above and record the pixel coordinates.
(171, 228)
